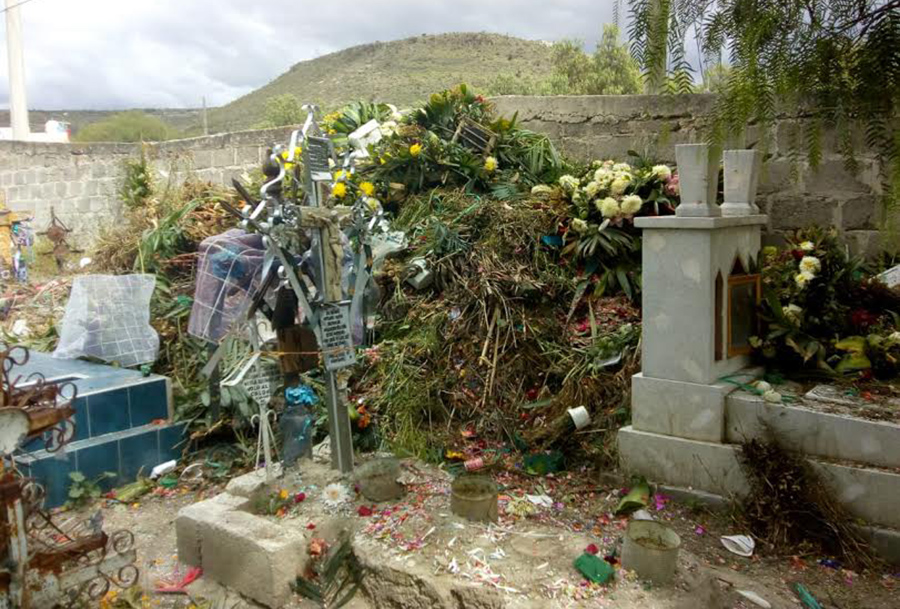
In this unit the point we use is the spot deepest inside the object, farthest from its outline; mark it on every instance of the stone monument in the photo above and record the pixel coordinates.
(700, 291)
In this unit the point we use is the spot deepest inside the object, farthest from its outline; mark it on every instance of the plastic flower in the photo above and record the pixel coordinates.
(807, 246)
(802, 278)
(367, 188)
(592, 189)
(602, 175)
(661, 172)
(673, 188)
(619, 185)
(569, 183)
(490, 164)
(339, 190)
(334, 494)
(810, 264)
(415, 149)
(579, 225)
(631, 205)
(609, 207)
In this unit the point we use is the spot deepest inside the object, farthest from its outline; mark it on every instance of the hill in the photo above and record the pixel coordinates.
(401, 72)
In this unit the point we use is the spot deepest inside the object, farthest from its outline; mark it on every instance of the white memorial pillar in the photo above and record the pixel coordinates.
(18, 104)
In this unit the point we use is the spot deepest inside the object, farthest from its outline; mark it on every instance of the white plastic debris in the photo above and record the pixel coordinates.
(580, 417)
(84, 262)
(755, 598)
(642, 515)
(20, 328)
(162, 469)
(742, 545)
(108, 317)
(540, 500)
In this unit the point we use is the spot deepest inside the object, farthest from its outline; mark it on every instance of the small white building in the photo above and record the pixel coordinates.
(54, 131)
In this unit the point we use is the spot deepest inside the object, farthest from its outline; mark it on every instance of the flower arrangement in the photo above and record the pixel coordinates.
(822, 309)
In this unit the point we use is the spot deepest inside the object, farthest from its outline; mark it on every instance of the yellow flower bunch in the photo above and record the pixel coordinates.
(367, 188)
(339, 190)
(490, 164)
(415, 149)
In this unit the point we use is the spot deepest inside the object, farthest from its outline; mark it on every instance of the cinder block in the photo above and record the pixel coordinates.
(251, 484)
(223, 157)
(189, 519)
(252, 555)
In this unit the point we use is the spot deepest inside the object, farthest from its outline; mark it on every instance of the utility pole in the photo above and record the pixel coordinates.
(205, 118)
(18, 104)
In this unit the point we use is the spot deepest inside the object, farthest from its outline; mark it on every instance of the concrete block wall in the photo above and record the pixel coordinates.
(791, 193)
(82, 181)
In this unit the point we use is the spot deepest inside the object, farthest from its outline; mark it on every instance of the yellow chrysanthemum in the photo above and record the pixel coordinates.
(283, 494)
(367, 188)
(490, 164)
(339, 190)
(339, 175)
(415, 149)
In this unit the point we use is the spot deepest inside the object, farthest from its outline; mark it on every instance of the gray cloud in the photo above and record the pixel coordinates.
(111, 54)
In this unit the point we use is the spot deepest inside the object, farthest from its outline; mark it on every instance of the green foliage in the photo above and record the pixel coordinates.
(137, 185)
(282, 110)
(83, 491)
(132, 126)
(837, 61)
(610, 70)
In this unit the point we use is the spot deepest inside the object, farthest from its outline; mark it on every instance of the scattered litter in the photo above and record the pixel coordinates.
(177, 586)
(540, 500)
(638, 497)
(20, 328)
(595, 570)
(163, 469)
(642, 515)
(742, 545)
(755, 598)
(84, 262)
(806, 598)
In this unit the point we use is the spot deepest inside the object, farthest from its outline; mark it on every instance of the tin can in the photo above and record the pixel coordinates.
(472, 464)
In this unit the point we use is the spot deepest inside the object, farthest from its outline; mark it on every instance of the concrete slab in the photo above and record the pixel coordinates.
(677, 408)
(812, 432)
(870, 494)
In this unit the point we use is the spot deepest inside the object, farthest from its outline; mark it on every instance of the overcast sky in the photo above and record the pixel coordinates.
(113, 54)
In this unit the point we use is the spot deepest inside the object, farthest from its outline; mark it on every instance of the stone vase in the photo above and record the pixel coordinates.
(741, 177)
(698, 176)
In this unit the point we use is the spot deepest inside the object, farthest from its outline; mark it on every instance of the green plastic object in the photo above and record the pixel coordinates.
(168, 481)
(594, 569)
(638, 497)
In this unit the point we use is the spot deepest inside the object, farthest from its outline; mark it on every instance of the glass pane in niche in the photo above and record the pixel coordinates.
(743, 298)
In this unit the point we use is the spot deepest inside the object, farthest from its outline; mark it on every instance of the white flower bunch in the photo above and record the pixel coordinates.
(619, 184)
(579, 225)
(609, 207)
(792, 312)
(809, 266)
(807, 246)
(592, 189)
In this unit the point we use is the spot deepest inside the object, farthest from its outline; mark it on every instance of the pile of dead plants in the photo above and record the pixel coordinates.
(790, 508)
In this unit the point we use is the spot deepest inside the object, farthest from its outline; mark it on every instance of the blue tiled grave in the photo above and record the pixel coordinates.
(123, 425)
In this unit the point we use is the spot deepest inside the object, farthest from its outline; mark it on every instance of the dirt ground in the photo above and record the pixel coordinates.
(526, 558)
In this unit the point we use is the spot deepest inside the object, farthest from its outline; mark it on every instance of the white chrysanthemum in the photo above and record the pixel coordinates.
(597, 163)
(810, 264)
(609, 207)
(373, 204)
(631, 205)
(388, 128)
(579, 225)
(541, 189)
(803, 278)
(592, 189)
(622, 167)
(569, 183)
(619, 185)
(807, 246)
(762, 386)
(602, 175)
(792, 312)
(335, 494)
(661, 172)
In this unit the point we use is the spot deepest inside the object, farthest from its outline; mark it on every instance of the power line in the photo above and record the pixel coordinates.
(15, 5)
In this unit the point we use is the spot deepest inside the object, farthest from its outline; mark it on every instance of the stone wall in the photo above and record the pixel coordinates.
(791, 193)
(82, 181)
